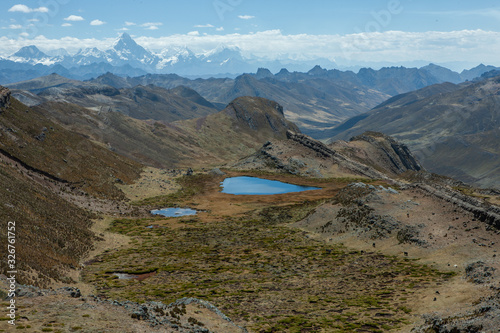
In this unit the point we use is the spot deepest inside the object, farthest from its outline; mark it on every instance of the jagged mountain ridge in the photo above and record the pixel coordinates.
(223, 59)
(125, 51)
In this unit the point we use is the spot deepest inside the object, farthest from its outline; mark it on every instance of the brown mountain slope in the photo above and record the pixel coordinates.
(44, 169)
(454, 132)
(315, 104)
(141, 102)
(42, 83)
(40, 144)
(233, 133)
(51, 234)
(313, 109)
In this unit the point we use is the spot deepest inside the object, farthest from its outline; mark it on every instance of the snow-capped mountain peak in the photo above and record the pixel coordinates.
(58, 53)
(223, 50)
(30, 52)
(125, 52)
(90, 52)
(126, 43)
(125, 49)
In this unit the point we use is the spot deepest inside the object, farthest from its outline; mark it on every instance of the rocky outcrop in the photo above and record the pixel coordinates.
(478, 272)
(399, 156)
(484, 317)
(326, 153)
(4, 97)
(302, 155)
(186, 315)
(260, 114)
(483, 211)
(311, 144)
(177, 316)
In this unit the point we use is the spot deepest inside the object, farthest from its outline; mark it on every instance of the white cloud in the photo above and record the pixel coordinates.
(97, 22)
(193, 33)
(219, 29)
(129, 23)
(66, 25)
(246, 17)
(26, 9)
(74, 18)
(20, 8)
(15, 26)
(24, 34)
(123, 29)
(204, 26)
(151, 25)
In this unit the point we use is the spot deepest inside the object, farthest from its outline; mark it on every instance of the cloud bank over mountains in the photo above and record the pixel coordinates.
(476, 46)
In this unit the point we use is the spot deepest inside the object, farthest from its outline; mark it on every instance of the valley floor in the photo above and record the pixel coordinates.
(297, 262)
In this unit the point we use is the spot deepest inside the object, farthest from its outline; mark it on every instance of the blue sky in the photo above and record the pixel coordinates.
(362, 30)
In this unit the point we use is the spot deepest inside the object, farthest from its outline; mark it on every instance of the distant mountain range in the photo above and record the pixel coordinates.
(127, 58)
(315, 104)
(316, 100)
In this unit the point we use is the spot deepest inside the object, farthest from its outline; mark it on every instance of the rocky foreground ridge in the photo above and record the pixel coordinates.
(305, 156)
(184, 315)
(4, 97)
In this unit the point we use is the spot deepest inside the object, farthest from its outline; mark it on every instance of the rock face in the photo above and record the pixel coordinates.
(302, 155)
(4, 97)
(311, 144)
(258, 113)
(399, 156)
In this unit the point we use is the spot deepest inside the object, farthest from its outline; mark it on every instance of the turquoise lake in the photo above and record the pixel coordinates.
(258, 186)
(174, 212)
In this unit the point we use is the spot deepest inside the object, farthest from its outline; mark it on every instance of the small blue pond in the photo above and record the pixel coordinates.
(259, 186)
(174, 212)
